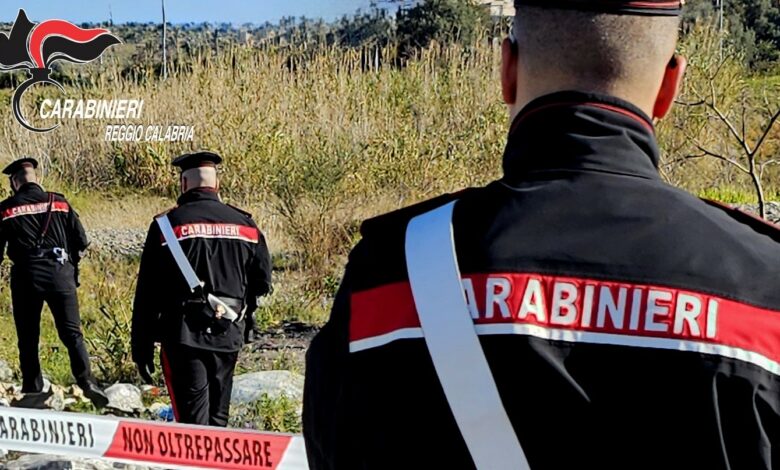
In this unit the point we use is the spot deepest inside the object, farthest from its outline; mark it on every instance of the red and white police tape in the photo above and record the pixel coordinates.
(135, 441)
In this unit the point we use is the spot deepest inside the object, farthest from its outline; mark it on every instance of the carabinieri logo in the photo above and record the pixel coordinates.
(37, 47)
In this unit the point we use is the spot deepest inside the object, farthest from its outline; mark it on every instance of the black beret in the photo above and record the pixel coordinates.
(620, 7)
(17, 165)
(196, 160)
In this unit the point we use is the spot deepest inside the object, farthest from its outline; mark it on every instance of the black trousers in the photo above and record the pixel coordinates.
(199, 382)
(27, 305)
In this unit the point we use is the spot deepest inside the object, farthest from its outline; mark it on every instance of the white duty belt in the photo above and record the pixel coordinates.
(223, 309)
(453, 344)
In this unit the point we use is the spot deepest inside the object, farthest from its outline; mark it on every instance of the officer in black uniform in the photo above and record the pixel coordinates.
(45, 241)
(626, 323)
(230, 257)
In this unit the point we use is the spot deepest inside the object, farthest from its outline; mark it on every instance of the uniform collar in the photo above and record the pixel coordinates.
(575, 131)
(199, 194)
(30, 187)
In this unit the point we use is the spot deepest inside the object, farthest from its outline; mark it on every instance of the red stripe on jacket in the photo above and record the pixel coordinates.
(33, 209)
(616, 312)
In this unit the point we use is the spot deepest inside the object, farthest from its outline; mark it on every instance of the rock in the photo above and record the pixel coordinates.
(118, 242)
(50, 462)
(6, 373)
(57, 400)
(77, 394)
(9, 391)
(249, 388)
(124, 398)
(772, 210)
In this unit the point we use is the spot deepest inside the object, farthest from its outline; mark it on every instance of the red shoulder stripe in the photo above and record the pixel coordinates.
(216, 230)
(583, 310)
(37, 208)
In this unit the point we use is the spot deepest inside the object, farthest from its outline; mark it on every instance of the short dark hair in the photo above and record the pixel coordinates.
(594, 47)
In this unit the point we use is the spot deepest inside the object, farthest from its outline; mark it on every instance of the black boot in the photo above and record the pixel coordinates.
(95, 394)
(35, 400)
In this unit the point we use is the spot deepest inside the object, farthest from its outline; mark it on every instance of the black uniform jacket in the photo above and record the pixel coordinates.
(23, 215)
(627, 323)
(228, 253)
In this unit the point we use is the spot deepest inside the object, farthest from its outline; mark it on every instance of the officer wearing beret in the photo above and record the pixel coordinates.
(577, 313)
(44, 240)
(204, 265)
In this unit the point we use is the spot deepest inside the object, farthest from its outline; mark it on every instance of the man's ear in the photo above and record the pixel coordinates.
(183, 184)
(670, 87)
(509, 72)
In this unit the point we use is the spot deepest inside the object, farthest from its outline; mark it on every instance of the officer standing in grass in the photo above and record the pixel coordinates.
(203, 267)
(578, 313)
(45, 241)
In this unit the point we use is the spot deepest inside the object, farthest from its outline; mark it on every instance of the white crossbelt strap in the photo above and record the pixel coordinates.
(193, 281)
(454, 346)
(178, 254)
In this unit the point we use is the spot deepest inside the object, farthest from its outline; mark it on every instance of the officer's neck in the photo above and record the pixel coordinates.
(528, 93)
(199, 193)
(207, 189)
(574, 131)
(29, 185)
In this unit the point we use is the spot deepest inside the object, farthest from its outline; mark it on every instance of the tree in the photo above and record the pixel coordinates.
(724, 116)
(371, 28)
(753, 27)
(441, 21)
(763, 18)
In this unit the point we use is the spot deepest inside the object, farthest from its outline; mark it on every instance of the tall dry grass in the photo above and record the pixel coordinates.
(322, 137)
(723, 110)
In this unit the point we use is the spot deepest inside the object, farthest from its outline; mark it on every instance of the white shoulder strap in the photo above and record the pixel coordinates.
(453, 343)
(178, 254)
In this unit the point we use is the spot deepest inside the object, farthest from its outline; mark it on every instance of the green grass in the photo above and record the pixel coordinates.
(269, 414)
(105, 304)
(735, 195)
(765, 81)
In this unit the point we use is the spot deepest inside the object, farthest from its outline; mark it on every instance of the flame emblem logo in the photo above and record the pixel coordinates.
(35, 47)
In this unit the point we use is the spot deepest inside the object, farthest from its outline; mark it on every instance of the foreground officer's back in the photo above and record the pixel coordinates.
(626, 323)
(638, 319)
(230, 257)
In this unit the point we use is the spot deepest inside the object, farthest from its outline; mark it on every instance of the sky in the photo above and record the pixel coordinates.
(179, 11)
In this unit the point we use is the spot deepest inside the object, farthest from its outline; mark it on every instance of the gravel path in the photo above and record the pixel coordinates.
(282, 347)
(118, 242)
(129, 242)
